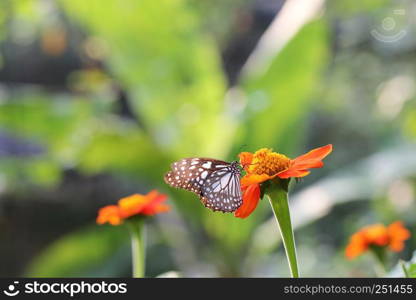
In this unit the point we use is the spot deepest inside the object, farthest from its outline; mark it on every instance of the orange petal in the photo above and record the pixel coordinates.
(132, 205)
(300, 165)
(154, 197)
(315, 154)
(245, 159)
(154, 204)
(251, 197)
(398, 231)
(308, 164)
(110, 214)
(398, 234)
(153, 194)
(250, 179)
(357, 245)
(376, 234)
(156, 209)
(396, 245)
(292, 173)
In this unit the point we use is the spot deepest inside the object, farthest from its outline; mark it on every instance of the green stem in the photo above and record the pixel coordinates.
(278, 198)
(138, 251)
(404, 268)
(380, 255)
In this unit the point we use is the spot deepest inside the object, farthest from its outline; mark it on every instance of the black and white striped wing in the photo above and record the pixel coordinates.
(216, 182)
(221, 191)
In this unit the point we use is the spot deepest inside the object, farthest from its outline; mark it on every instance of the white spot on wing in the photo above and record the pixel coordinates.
(207, 165)
(204, 174)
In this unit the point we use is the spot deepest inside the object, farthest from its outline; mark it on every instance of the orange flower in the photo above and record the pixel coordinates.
(398, 234)
(392, 236)
(264, 165)
(251, 197)
(136, 204)
(110, 214)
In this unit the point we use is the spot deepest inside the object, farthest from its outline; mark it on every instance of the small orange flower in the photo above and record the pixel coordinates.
(110, 214)
(398, 234)
(264, 165)
(136, 204)
(379, 235)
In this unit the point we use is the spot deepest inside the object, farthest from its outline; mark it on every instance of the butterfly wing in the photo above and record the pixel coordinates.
(188, 174)
(216, 182)
(221, 191)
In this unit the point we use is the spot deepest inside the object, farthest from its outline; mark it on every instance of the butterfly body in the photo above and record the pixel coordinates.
(216, 182)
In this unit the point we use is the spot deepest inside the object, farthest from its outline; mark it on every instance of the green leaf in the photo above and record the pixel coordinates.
(280, 99)
(39, 118)
(171, 68)
(411, 270)
(405, 268)
(114, 145)
(79, 253)
(346, 8)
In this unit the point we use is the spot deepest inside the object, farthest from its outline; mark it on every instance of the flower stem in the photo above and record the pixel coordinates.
(278, 198)
(380, 256)
(138, 251)
(404, 268)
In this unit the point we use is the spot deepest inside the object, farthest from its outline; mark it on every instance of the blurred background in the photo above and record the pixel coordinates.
(97, 98)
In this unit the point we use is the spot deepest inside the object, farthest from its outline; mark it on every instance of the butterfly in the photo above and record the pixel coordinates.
(216, 182)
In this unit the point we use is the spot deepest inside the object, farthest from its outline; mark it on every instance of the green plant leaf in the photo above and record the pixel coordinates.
(79, 254)
(171, 69)
(280, 99)
(405, 268)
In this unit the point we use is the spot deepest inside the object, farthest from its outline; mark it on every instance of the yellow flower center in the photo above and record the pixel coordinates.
(265, 161)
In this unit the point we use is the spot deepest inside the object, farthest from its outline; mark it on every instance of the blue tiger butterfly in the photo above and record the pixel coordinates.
(216, 182)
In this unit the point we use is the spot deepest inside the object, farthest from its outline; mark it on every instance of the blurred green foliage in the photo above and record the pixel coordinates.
(79, 254)
(276, 93)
